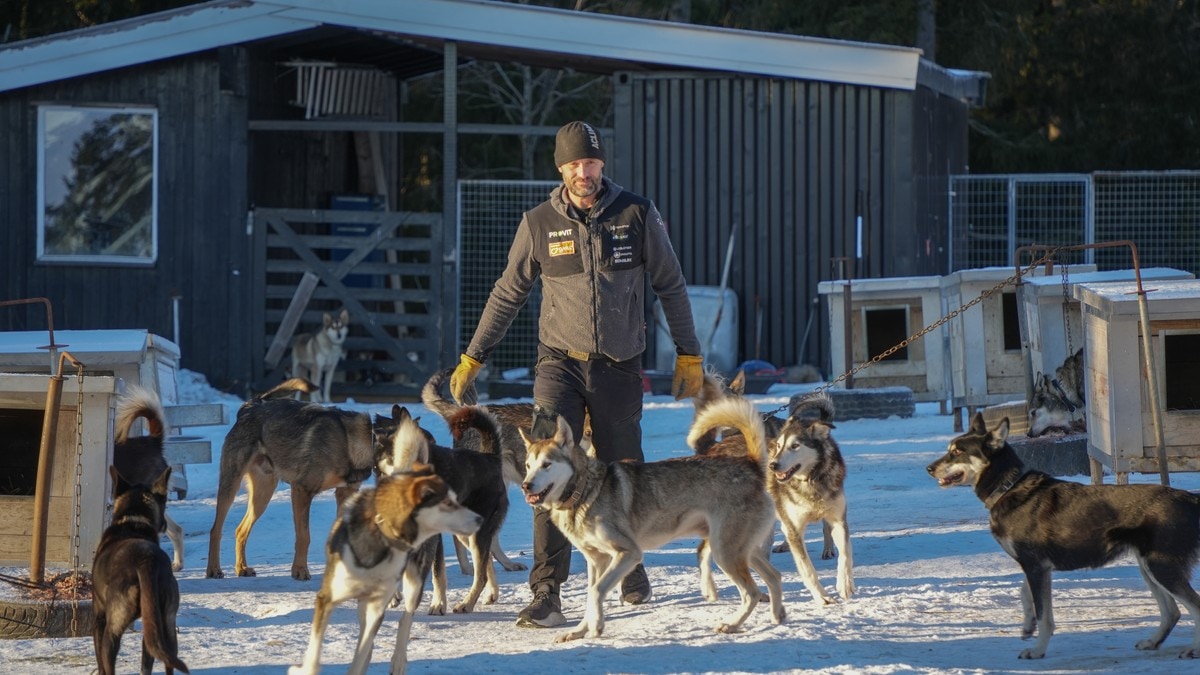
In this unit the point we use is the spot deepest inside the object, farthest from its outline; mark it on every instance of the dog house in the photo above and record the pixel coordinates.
(987, 364)
(883, 313)
(1121, 422)
(1053, 327)
(112, 360)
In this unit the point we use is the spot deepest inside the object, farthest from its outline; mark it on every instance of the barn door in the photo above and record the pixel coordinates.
(381, 266)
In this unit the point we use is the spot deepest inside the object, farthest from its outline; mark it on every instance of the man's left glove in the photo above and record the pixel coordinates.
(689, 375)
(463, 377)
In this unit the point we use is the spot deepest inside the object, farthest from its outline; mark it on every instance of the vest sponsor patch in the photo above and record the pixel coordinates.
(558, 248)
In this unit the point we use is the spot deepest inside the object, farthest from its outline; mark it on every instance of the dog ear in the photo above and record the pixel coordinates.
(562, 435)
(978, 426)
(164, 480)
(327, 319)
(738, 385)
(344, 316)
(998, 437)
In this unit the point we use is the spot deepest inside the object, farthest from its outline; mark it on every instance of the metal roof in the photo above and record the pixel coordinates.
(482, 29)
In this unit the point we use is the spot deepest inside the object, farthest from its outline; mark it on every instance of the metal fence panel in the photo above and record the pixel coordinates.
(489, 212)
(991, 216)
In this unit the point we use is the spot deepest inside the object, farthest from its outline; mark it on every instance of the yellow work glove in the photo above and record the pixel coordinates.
(689, 375)
(463, 377)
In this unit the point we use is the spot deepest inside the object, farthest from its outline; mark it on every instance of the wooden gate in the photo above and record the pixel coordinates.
(385, 267)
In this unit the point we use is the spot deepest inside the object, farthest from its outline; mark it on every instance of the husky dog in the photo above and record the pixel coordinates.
(139, 459)
(370, 551)
(806, 484)
(1049, 524)
(132, 578)
(475, 477)
(1058, 403)
(316, 355)
(311, 447)
(614, 512)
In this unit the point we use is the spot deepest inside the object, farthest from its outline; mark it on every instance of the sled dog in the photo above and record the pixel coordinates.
(315, 355)
(1057, 403)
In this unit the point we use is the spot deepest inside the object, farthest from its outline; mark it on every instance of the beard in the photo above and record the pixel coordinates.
(582, 187)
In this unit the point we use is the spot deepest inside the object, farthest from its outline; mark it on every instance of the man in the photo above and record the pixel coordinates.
(592, 243)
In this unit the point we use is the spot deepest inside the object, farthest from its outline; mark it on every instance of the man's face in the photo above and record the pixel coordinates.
(582, 177)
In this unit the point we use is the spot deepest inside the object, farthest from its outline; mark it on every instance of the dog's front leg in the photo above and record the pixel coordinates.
(804, 567)
(592, 624)
(1038, 580)
(845, 578)
(370, 615)
(312, 656)
(708, 587)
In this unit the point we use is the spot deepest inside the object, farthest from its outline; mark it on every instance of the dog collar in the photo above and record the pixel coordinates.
(1004, 488)
(576, 495)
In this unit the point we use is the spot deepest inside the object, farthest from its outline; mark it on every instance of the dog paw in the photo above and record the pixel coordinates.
(214, 573)
(1147, 645)
(781, 547)
(177, 567)
(1193, 653)
(299, 573)
(437, 610)
(729, 628)
(515, 567)
(573, 635)
(246, 572)
(464, 608)
(1032, 654)
(828, 554)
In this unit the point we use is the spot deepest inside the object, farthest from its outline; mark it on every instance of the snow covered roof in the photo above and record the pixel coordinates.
(481, 28)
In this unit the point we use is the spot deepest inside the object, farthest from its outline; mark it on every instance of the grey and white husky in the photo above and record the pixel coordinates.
(613, 512)
(1058, 402)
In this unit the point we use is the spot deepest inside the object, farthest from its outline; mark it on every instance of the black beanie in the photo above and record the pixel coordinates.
(577, 140)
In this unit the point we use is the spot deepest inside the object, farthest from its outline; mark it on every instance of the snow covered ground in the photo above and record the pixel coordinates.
(935, 592)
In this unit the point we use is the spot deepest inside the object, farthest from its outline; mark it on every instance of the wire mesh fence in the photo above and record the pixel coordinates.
(992, 215)
(489, 212)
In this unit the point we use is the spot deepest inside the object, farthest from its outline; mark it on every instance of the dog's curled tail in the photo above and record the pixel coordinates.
(409, 446)
(285, 388)
(819, 405)
(155, 637)
(143, 403)
(739, 414)
(431, 395)
(479, 419)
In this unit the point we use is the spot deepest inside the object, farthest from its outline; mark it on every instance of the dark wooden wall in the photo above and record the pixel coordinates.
(203, 250)
(791, 163)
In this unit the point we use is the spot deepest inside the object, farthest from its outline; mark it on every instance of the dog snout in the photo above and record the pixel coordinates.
(932, 468)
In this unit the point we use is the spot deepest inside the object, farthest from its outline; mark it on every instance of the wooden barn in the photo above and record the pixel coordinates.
(224, 174)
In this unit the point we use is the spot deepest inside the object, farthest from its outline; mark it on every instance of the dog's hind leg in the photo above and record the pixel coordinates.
(260, 485)
(302, 499)
(736, 566)
(482, 554)
(1037, 578)
(761, 563)
(1171, 587)
(708, 587)
(437, 603)
(827, 550)
(508, 564)
(464, 561)
(370, 616)
(1168, 609)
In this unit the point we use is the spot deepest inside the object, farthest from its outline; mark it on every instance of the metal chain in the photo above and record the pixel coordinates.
(78, 504)
(919, 334)
(1066, 308)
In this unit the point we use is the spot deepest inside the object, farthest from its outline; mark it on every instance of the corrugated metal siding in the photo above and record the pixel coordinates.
(786, 160)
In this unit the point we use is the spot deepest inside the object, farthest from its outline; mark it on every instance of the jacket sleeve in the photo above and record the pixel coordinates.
(666, 279)
(508, 296)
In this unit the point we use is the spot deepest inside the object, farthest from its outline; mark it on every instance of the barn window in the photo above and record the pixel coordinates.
(886, 328)
(97, 184)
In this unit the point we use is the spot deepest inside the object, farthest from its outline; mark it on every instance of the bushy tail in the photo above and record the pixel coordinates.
(478, 418)
(157, 633)
(739, 414)
(143, 403)
(409, 446)
(819, 406)
(285, 388)
(431, 395)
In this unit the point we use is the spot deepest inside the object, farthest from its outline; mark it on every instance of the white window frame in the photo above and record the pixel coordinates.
(58, 127)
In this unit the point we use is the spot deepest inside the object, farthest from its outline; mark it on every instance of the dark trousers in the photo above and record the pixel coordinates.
(609, 391)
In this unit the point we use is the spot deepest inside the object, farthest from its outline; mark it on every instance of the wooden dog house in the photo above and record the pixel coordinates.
(112, 360)
(1120, 419)
(1054, 331)
(883, 313)
(987, 364)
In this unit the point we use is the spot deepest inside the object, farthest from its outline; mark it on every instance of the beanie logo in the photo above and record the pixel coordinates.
(593, 138)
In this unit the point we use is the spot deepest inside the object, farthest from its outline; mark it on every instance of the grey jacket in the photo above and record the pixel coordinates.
(593, 274)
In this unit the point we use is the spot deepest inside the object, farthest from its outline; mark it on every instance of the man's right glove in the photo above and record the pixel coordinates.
(463, 377)
(689, 375)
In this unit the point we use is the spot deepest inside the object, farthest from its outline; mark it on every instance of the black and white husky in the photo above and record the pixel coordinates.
(369, 552)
